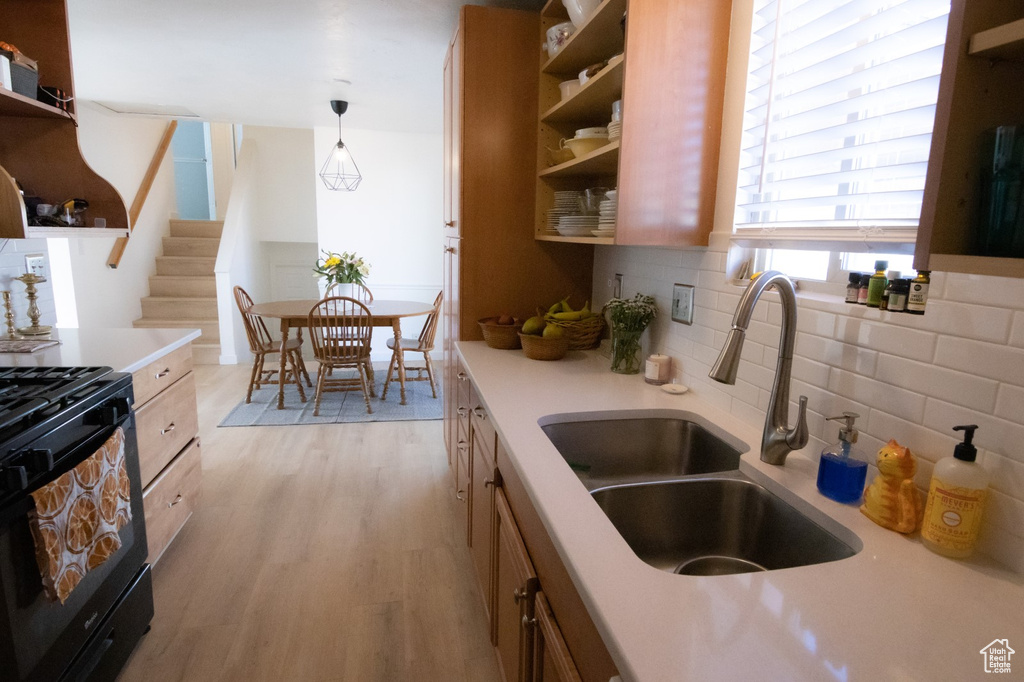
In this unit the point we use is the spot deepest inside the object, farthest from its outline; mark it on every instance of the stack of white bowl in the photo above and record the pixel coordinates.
(606, 217)
(567, 203)
(615, 125)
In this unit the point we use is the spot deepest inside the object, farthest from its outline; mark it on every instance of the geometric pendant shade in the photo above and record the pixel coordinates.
(339, 171)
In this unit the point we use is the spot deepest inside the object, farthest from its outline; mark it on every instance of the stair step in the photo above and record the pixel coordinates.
(191, 246)
(210, 328)
(200, 286)
(184, 265)
(178, 307)
(205, 353)
(197, 228)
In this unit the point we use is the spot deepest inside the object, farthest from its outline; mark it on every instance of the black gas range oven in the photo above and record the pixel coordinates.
(51, 420)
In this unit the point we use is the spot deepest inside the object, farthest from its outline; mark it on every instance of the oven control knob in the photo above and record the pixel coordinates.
(41, 461)
(13, 478)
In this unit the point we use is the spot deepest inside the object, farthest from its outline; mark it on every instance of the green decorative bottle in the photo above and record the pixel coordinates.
(876, 284)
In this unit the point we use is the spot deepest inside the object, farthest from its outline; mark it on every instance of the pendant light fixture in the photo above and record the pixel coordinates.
(339, 171)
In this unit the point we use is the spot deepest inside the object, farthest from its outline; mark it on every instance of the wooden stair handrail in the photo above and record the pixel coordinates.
(140, 197)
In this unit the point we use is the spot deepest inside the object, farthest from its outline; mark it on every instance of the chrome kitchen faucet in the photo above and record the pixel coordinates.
(778, 440)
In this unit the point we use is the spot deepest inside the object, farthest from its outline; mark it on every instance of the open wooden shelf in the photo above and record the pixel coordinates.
(13, 104)
(609, 241)
(593, 42)
(554, 9)
(597, 94)
(601, 161)
(1002, 42)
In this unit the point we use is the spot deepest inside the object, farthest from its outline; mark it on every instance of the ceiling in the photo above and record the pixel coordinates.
(270, 62)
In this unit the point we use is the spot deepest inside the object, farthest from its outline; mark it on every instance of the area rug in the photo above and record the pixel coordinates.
(336, 408)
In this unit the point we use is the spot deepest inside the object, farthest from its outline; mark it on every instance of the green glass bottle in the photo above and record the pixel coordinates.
(876, 284)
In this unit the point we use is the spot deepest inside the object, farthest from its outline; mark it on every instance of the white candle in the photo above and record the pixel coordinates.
(658, 369)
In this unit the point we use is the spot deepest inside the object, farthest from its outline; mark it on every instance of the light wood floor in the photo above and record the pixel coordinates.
(317, 553)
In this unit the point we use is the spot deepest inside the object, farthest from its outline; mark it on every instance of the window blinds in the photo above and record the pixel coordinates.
(838, 118)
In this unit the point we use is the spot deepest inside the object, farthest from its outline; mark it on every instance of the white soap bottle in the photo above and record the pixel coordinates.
(956, 500)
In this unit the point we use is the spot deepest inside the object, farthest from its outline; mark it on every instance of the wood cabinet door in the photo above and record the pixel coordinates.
(483, 476)
(672, 99)
(515, 584)
(551, 659)
(453, 133)
(450, 326)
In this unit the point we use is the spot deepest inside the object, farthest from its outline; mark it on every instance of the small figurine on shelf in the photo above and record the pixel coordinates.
(892, 500)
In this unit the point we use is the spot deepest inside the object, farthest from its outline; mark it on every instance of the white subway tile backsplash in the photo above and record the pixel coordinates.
(825, 402)
(991, 360)
(926, 444)
(1017, 330)
(1000, 436)
(1005, 513)
(979, 322)
(885, 338)
(705, 298)
(1007, 475)
(950, 385)
(900, 402)
(1010, 403)
(836, 354)
(1006, 292)
(812, 372)
(1004, 548)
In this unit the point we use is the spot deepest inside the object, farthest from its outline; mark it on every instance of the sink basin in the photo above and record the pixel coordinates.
(717, 526)
(617, 447)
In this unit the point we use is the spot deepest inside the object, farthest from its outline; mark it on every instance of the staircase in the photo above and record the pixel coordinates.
(183, 293)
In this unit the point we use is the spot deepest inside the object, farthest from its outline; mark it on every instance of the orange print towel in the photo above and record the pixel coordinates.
(76, 518)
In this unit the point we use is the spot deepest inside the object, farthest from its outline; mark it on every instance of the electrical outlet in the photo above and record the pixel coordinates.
(36, 264)
(617, 287)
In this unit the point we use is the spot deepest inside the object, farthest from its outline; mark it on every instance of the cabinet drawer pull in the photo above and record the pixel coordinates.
(480, 412)
(167, 430)
(175, 501)
(458, 495)
(518, 595)
(462, 376)
(490, 482)
(161, 375)
(449, 223)
(528, 622)
(462, 445)
(462, 411)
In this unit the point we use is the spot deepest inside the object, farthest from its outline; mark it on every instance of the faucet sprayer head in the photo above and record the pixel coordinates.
(728, 362)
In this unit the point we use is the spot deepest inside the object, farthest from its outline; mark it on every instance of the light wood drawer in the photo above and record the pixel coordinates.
(170, 500)
(158, 375)
(164, 425)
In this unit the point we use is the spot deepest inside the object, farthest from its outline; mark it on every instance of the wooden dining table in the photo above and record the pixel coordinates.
(383, 312)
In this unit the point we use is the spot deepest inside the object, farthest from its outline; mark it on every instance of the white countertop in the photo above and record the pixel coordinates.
(125, 350)
(894, 611)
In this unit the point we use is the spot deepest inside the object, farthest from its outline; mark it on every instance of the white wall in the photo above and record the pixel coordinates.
(120, 149)
(284, 208)
(12, 264)
(394, 218)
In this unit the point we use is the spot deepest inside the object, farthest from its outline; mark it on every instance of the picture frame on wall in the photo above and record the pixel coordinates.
(682, 303)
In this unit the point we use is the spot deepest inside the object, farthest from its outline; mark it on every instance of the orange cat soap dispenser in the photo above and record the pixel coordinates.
(892, 500)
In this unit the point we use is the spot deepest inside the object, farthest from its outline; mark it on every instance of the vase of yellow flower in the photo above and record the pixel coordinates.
(344, 269)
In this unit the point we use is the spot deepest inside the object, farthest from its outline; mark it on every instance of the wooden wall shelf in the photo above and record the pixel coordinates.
(13, 104)
(601, 161)
(595, 41)
(1002, 42)
(575, 240)
(596, 94)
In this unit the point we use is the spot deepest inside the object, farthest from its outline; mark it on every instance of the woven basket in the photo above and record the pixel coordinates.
(540, 348)
(582, 334)
(500, 336)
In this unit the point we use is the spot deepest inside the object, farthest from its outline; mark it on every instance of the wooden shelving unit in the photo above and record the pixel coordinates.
(39, 142)
(982, 65)
(600, 39)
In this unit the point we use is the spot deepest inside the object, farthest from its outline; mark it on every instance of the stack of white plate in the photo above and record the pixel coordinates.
(567, 203)
(614, 130)
(577, 225)
(608, 210)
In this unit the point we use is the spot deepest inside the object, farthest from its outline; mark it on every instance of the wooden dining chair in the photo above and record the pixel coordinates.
(359, 292)
(424, 343)
(339, 331)
(262, 344)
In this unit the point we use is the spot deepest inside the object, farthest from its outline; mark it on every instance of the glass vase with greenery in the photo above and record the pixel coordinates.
(629, 318)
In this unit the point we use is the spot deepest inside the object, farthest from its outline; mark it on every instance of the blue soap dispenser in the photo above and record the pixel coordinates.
(840, 476)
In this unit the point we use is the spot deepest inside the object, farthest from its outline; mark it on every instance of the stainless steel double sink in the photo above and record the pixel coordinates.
(669, 482)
